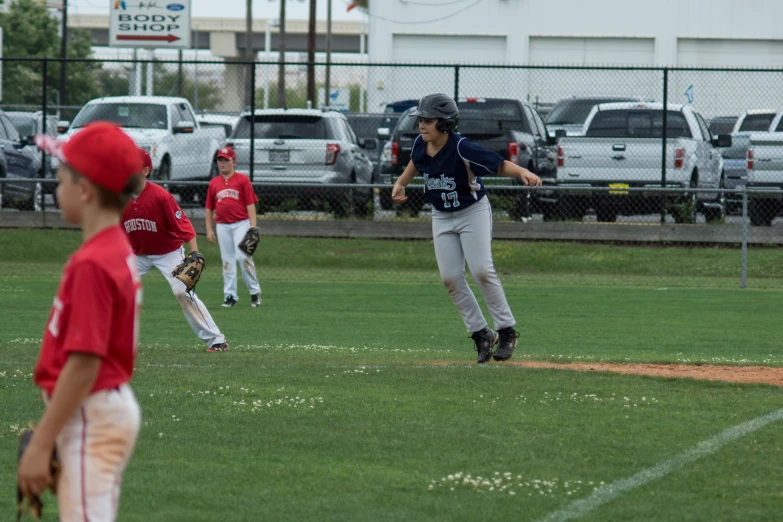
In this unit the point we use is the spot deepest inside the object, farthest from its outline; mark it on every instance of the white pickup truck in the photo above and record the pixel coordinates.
(180, 147)
(622, 148)
(764, 161)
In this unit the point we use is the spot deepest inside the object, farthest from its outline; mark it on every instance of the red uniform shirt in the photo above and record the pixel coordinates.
(229, 198)
(154, 222)
(96, 311)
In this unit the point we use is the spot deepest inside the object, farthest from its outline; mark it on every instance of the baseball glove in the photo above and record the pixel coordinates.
(250, 241)
(189, 270)
(34, 505)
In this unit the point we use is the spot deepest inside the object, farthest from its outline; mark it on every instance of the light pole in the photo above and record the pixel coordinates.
(63, 53)
(268, 57)
(281, 61)
(328, 85)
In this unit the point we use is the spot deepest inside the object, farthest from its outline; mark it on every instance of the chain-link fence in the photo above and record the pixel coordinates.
(626, 154)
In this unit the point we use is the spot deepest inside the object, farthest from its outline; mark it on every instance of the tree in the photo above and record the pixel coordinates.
(30, 32)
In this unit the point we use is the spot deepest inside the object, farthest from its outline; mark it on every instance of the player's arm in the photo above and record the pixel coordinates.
(193, 244)
(251, 214)
(512, 170)
(208, 224)
(398, 192)
(74, 384)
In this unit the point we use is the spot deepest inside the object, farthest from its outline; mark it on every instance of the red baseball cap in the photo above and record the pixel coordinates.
(101, 152)
(227, 152)
(146, 161)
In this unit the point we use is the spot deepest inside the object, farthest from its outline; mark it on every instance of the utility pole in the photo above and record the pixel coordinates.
(328, 86)
(63, 54)
(281, 60)
(311, 54)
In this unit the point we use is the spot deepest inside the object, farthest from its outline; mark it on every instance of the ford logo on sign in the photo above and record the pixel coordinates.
(175, 7)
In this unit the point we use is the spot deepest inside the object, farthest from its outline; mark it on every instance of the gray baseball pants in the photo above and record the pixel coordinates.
(466, 235)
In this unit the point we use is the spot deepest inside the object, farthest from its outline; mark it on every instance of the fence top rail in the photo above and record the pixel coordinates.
(490, 188)
(411, 65)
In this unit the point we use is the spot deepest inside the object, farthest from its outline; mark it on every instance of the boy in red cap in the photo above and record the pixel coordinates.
(157, 228)
(230, 197)
(89, 345)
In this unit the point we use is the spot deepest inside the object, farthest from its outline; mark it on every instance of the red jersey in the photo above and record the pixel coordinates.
(154, 222)
(229, 198)
(96, 311)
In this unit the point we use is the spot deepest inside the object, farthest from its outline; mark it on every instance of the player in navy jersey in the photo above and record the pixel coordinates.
(452, 167)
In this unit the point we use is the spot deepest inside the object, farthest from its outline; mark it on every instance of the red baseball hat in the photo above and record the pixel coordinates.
(101, 152)
(227, 152)
(146, 161)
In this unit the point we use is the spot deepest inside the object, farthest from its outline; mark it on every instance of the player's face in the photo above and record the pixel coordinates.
(427, 129)
(225, 165)
(69, 194)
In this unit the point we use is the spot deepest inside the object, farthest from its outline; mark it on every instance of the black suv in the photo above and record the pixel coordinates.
(512, 128)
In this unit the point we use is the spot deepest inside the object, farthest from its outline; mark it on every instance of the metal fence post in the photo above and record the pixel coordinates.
(456, 82)
(663, 143)
(744, 238)
(44, 79)
(252, 118)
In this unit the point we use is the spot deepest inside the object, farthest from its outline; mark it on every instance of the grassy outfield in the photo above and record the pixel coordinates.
(330, 404)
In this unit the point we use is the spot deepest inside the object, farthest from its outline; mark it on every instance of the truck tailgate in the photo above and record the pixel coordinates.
(633, 160)
(767, 153)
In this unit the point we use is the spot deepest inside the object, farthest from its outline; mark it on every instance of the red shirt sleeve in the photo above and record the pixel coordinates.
(177, 221)
(248, 194)
(89, 324)
(210, 203)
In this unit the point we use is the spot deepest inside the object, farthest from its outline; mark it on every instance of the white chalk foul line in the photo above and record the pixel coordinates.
(581, 507)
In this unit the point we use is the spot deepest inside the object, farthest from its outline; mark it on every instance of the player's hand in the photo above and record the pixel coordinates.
(398, 193)
(211, 236)
(529, 179)
(34, 474)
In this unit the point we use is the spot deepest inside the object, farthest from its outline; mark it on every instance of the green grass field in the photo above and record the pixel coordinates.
(352, 393)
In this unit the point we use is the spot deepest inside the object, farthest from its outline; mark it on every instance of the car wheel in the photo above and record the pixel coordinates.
(761, 212)
(164, 173)
(686, 211)
(713, 214)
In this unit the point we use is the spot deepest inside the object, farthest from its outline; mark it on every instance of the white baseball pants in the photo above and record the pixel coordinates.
(93, 447)
(196, 313)
(467, 235)
(229, 236)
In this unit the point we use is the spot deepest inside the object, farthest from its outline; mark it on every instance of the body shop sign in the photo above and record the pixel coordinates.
(151, 24)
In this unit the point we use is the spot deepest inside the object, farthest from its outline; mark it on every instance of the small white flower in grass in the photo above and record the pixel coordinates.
(160, 434)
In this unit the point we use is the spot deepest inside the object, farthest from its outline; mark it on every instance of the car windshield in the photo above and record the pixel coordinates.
(23, 123)
(638, 124)
(130, 115)
(722, 126)
(284, 127)
(576, 111)
(367, 125)
(757, 122)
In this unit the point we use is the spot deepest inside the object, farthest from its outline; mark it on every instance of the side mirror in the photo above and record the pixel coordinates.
(28, 140)
(368, 143)
(63, 126)
(723, 141)
(383, 133)
(184, 127)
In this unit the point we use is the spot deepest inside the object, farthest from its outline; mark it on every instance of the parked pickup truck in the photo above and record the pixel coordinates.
(764, 160)
(180, 147)
(510, 127)
(622, 149)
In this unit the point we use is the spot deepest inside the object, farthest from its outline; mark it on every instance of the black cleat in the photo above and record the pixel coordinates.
(255, 300)
(485, 339)
(220, 347)
(229, 302)
(508, 341)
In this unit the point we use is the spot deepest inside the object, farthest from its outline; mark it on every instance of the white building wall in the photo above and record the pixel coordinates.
(745, 33)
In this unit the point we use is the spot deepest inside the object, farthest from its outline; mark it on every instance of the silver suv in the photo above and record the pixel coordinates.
(302, 152)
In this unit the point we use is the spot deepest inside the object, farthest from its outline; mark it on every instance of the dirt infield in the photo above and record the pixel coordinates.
(742, 374)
